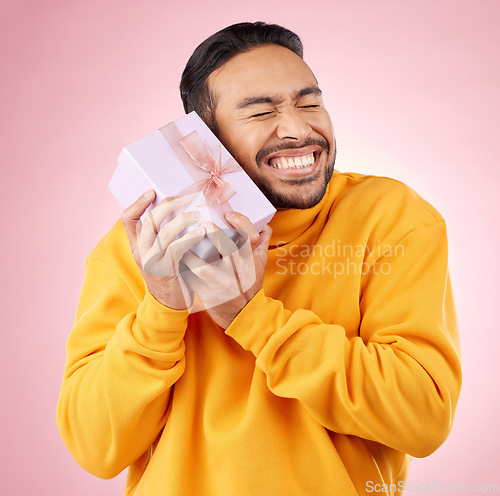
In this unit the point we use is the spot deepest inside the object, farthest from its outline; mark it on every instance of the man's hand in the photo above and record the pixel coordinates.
(157, 251)
(226, 286)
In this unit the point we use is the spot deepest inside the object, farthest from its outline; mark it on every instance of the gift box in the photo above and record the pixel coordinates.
(184, 158)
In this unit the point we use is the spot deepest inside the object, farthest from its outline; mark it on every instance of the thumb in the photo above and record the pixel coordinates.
(263, 243)
(131, 217)
(132, 214)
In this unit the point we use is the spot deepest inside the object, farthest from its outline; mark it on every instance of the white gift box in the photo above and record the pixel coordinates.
(158, 162)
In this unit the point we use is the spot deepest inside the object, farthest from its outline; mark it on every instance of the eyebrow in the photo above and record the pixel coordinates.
(256, 100)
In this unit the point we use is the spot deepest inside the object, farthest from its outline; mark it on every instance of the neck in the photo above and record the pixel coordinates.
(289, 224)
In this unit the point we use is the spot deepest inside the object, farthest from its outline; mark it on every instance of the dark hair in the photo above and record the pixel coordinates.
(216, 51)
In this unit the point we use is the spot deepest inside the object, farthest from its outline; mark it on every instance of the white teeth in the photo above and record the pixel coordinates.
(284, 163)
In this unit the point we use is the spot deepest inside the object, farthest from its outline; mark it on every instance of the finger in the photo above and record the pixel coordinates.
(208, 273)
(220, 274)
(209, 294)
(131, 216)
(222, 242)
(167, 234)
(243, 223)
(161, 240)
(172, 229)
(192, 261)
(161, 246)
(152, 222)
(243, 262)
(165, 262)
(163, 258)
(182, 246)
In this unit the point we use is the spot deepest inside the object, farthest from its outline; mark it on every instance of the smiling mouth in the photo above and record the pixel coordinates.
(293, 162)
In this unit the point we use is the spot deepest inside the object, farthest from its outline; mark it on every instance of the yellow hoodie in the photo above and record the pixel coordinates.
(343, 366)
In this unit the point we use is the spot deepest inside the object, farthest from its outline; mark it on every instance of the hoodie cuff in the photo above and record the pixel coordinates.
(158, 327)
(257, 322)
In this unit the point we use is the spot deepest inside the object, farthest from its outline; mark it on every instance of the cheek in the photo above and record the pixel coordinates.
(246, 158)
(322, 124)
(230, 142)
(247, 147)
(241, 150)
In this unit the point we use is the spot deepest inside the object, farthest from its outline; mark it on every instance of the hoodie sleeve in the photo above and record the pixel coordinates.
(125, 352)
(396, 383)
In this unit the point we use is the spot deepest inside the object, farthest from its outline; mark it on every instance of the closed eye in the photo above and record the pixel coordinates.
(262, 114)
(309, 106)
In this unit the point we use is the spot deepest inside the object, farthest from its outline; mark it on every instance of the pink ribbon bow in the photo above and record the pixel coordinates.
(205, 170)
(214, 187)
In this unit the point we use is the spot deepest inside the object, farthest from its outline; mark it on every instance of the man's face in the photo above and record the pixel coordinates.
(270, 116)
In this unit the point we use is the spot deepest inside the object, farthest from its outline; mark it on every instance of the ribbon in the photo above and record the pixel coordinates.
(205, 169)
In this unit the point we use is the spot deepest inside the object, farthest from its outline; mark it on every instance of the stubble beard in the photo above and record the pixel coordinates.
(300, 199)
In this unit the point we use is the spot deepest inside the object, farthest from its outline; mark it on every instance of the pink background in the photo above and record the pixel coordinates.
(412, 88)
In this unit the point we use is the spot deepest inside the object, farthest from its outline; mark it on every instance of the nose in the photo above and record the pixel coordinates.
(292, 125)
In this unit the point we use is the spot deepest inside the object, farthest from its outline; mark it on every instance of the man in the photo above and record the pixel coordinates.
(338, 364)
